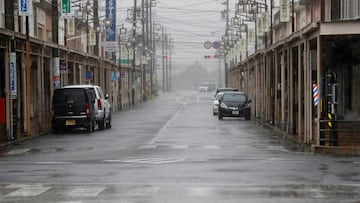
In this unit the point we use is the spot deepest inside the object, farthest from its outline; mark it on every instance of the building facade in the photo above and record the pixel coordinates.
(304, 80)
(37, 55)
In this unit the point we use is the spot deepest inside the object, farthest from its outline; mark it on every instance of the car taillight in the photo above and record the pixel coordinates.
(87, 109)
(99, 104)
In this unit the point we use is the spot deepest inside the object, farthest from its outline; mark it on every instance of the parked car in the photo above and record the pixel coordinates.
(73, 108)
(234, 104)
(206, 87)
(216, 103)
(102, 106)
(225, 89)
(203, 88)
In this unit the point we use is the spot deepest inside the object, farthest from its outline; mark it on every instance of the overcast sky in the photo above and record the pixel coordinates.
(190, 23)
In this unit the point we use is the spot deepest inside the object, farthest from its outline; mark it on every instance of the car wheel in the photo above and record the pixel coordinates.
(101, 124)
(90, 127)
(56, 129)
(108, 124)
(93, 126)
(220, 116)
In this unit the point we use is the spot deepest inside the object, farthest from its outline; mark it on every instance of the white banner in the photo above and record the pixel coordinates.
(92, 38)
(259, 31)
(144, 60)
(251, 35)
(123, 52)
(242, 45)
(13, 80)
(265, 21)
(71, 26)
(284, 11)
(131, 53)
(111, 46)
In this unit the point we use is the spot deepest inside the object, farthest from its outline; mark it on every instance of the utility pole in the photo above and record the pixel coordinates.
(143, 83)
(170, 58)
(55, 37)
(163, 57)
(166, 64)
(152, 48)
(134, 56)
(227, 41)
(96, 24)
(28, 95)
(11, 98)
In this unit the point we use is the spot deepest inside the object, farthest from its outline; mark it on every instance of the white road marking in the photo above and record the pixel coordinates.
(165, 126)
(146, 161)
(18, 151)
(212, 147)
(85, 191)
(179, 146)
(51, 162)
(143, 191)
(28, 191)
(148, 147)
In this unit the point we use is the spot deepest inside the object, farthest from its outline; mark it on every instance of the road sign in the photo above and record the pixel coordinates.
(66, 7)
(63, 66)
(88, 75)
(216, 45)
(207, 44)
(25, 7)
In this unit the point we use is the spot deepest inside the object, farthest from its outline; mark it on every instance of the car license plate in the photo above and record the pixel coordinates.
(235, 112)
(70, 122)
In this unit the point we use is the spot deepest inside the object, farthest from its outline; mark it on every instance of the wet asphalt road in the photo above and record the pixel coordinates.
(172, 149)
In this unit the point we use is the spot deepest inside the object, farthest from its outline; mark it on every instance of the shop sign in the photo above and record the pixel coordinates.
(13, 75)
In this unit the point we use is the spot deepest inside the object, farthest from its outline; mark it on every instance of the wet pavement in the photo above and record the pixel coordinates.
(172, 149)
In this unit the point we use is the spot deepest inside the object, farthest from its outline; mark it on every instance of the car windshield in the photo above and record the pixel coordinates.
(234, 98)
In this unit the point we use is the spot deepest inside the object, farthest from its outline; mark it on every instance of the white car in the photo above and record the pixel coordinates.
(102, 106)
(203, 88)
(216, 103)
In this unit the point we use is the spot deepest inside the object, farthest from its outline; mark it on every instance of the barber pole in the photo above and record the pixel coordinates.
(315, 94)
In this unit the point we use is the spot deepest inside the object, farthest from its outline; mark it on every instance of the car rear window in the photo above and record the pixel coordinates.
(75, 95)
(92, 93)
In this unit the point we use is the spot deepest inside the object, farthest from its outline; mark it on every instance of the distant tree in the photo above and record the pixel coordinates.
(192, 76)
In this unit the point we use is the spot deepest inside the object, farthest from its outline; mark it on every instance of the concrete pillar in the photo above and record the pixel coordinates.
(319, 70)
(291, 91)
(299, 92)
(283, 85)
(276, 109)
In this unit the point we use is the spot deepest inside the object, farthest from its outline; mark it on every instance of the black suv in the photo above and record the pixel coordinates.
(73, 108)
